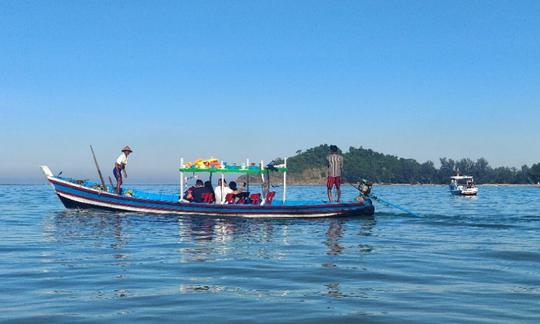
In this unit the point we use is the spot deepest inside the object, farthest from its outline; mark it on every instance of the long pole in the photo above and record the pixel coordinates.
(98, 170)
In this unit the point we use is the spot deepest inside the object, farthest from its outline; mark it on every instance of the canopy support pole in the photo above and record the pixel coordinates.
(285, 182)
(247, 175)
(181, 180)
(263, 185)
(222, 187)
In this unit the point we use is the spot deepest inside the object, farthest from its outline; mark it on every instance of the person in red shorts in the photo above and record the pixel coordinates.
(335, 168)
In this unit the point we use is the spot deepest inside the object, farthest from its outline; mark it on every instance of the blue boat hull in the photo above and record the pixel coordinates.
(78, 196)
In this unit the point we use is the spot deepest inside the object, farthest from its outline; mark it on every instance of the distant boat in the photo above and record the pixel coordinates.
(463, 186)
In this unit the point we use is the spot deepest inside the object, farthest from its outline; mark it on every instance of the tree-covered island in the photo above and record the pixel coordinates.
(309, 167)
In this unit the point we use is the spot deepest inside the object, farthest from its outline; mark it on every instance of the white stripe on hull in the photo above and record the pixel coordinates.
(183, 212)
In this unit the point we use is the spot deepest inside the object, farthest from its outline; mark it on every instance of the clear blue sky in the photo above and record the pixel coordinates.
(260, 79)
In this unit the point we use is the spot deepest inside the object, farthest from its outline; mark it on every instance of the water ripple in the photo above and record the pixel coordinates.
(462, 260)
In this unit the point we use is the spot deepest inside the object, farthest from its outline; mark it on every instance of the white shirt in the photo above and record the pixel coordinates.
(122, 159)
(218, 195)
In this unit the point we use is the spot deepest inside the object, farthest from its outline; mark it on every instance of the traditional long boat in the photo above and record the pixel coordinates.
(85, 194)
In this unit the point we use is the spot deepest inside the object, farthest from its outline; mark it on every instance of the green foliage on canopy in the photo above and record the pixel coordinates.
(230, 170)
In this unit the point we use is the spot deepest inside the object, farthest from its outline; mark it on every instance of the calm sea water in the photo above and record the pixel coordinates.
(462, 260)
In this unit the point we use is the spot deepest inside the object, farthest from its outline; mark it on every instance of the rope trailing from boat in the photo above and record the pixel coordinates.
(364, 188)
(389, 204)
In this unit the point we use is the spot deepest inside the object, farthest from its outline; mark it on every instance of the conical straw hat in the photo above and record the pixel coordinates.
(127, 148)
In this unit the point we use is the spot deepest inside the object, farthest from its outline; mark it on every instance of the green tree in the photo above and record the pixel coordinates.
(534, 172)
(361, 163)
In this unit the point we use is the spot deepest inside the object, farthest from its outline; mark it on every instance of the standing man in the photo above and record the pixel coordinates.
(334, 162)
(120, 166)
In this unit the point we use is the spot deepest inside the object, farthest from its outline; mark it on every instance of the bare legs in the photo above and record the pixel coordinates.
(338, 192)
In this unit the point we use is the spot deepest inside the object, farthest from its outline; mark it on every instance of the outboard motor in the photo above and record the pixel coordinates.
(365, 187)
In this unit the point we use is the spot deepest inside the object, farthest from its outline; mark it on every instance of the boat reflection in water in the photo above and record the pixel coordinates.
(335, 247)
(137, 253)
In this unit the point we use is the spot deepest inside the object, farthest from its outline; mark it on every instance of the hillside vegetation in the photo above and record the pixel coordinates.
(360, 163)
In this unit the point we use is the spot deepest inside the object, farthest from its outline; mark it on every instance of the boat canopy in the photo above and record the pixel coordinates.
(234, 169)
(461, 178)
(217, 166)
(213, 165)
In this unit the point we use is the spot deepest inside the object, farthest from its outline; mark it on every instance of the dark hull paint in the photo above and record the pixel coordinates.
(79, 197)
(71, 204)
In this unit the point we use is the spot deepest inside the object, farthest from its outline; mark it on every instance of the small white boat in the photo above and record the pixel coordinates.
(463, 186)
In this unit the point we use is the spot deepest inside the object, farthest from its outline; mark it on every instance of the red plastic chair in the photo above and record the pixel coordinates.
(255, 198)
(269, 198)
(242, 197)
(208, 197)
(229, 198)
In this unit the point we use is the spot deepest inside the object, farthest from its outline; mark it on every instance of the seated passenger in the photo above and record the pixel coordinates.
(208, 185)
(221, 193)
(209, 190)
(238, 192)
(198, 192)
(188, 195)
